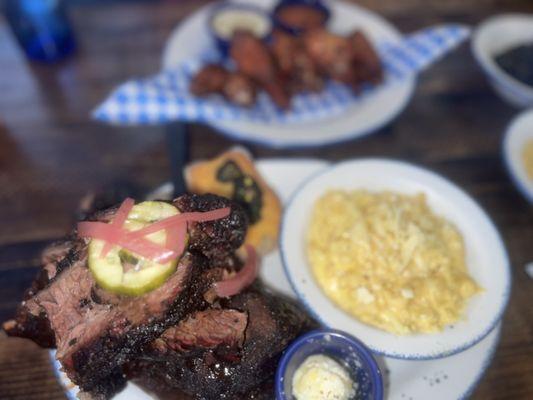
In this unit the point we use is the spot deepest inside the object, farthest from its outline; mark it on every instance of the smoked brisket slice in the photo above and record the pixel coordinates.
(96, 332)
(32, 322)
(214, 355)
(207, 329)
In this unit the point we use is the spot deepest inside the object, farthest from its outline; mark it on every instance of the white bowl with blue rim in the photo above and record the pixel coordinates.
(492, 38)
(518, 133)
(343, 348)
(486, 256)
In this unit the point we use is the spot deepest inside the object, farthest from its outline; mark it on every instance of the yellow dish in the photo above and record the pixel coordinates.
(386, 259)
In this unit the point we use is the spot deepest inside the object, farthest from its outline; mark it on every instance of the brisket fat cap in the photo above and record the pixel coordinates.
(217, 361)
(96, 334)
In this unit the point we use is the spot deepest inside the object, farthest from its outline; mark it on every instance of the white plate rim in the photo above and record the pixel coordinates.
(512, 161)
(233, 130)
(397, 355)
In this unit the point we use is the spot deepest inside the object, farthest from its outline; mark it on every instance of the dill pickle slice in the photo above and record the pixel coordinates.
(124, 272)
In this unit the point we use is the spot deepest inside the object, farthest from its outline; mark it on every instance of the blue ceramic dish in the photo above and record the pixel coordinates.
(336, 344)
(316, 4)
(223, 43)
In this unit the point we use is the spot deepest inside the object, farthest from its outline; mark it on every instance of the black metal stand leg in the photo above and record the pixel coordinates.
(178, 153)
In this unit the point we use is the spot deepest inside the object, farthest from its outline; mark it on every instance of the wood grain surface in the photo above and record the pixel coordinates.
(52, 154)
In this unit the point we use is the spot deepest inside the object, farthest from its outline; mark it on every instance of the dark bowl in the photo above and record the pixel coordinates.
(223, 44)
(315, 4)
(339, 345)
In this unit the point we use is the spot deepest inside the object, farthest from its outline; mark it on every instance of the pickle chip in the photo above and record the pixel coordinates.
(124, 272)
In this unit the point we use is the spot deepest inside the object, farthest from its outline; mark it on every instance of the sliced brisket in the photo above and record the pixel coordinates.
(96, 332)
(212, 365)
(206, 329)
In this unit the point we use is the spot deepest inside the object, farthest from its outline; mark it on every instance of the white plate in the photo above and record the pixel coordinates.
(520, 130)
(361, 118)
(486, 256)
(445, 379)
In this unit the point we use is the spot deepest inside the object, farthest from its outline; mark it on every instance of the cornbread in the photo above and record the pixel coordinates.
(527, 158)
(386, 259)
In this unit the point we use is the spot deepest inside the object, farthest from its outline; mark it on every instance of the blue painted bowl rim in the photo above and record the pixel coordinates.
(362, 350)
(519, 184)
(316, 4)
(303, 301)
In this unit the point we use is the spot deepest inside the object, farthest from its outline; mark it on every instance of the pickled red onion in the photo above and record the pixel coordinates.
(140, 246)
(241, 279)
(176, 236)
(176, 226)
(181, 218)
(118, 221)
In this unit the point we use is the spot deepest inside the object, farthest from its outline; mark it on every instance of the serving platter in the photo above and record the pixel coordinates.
(453, 377)
(360, 118)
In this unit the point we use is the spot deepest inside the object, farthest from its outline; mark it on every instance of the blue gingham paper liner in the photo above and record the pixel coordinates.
(165, 97)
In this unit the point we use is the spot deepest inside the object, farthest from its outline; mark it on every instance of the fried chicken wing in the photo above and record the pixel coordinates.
(210, 79)
(278, 93)
(332, 54)
(283, 47)
(240, 89)
(351, 60)
(295, 63)
(290, 65)
(253, 59)
(365, 58)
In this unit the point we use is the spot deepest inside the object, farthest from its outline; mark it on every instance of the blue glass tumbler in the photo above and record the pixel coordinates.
(41, 27)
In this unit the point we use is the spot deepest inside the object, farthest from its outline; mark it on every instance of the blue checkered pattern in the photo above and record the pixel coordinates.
(165, 97)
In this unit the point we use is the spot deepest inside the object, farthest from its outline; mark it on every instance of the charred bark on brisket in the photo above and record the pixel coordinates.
(223, 370)
(95, 335)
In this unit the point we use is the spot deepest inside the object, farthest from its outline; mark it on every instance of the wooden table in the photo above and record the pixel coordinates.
(51, 154)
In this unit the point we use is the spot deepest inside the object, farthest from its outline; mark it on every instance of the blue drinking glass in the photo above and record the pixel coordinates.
(41, 28)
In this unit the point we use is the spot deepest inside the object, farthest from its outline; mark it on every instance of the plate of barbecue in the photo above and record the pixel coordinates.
(186, 298)
(285, 57)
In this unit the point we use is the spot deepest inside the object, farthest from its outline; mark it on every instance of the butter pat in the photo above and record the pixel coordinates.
(322, 378)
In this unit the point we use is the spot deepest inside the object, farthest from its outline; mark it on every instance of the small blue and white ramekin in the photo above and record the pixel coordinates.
(495, 36)
(351, 352)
